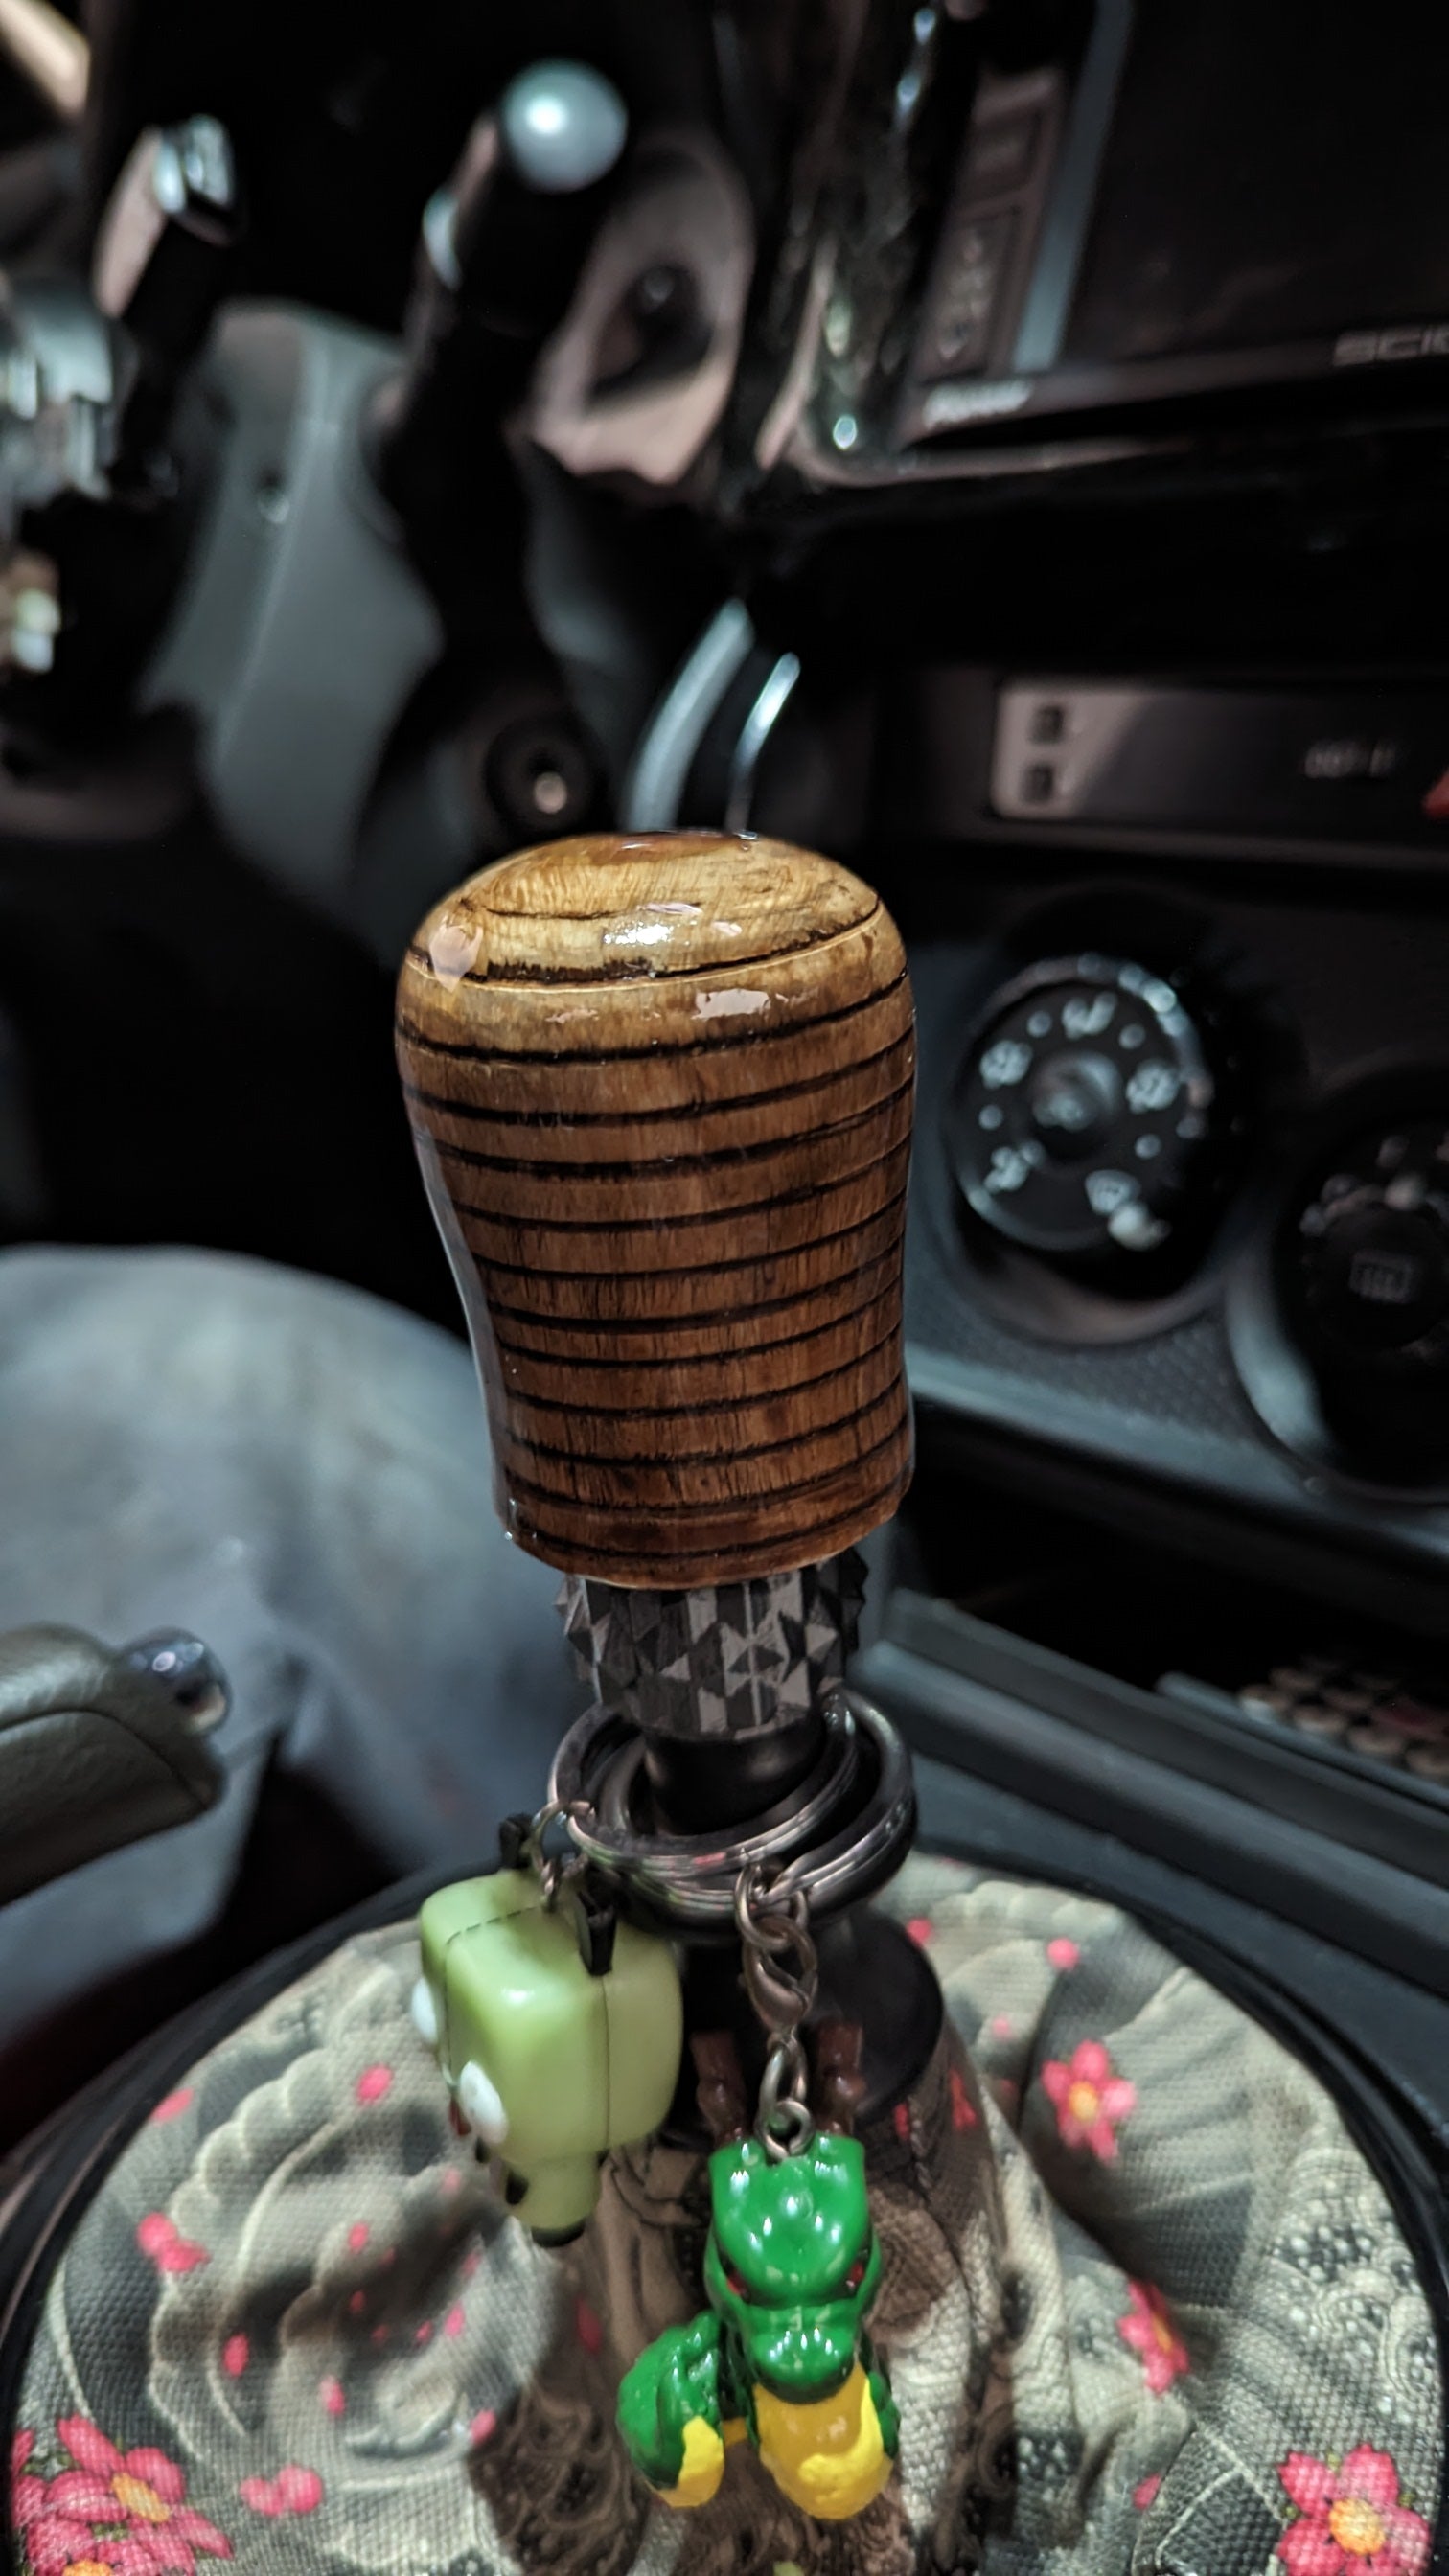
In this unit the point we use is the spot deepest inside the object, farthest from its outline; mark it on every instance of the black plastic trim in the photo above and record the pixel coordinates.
(1390, 1815)
(1344, 1896)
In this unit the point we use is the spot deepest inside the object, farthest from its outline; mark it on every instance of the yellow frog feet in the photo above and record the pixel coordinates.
(828, 2456)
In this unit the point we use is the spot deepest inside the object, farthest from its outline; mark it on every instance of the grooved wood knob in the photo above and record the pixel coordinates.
(661, 1088)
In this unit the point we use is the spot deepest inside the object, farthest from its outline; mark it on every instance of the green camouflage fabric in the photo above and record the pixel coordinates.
(1145, 2306)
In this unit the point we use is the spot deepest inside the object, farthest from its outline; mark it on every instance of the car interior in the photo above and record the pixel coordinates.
(724, 1288)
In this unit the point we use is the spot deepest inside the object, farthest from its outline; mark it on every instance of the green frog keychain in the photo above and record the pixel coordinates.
(781, 2358)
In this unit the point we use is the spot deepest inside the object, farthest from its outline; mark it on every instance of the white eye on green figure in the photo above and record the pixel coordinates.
(424, 2009)
(481, 2104)
(477, 2096)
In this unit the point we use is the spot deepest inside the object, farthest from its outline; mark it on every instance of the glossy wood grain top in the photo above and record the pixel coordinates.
(661, 1087)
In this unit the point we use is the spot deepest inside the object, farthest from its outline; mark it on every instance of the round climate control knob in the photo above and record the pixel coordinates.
(1083, 1114)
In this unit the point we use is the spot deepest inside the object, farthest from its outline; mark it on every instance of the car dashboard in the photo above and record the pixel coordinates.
(1079, 494)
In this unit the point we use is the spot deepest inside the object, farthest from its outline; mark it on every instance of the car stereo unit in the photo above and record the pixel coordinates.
(1181, 200)
(1023, 221)
(1200, 198)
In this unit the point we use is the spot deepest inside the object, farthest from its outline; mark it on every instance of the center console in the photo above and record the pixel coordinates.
(1182, 1409)
(1178, 1259)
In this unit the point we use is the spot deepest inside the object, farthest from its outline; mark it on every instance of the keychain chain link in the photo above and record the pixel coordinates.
(554, 1869)
(782, 1975)
(780, 1962)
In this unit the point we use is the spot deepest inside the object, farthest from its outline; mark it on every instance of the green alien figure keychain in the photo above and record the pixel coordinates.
(557, 2026)
(781, 2358)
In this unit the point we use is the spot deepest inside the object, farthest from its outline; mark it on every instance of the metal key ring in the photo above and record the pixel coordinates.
(603, 1738)
(688, 1881)
(813, 1800)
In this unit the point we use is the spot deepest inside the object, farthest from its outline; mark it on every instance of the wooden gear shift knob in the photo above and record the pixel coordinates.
(661, 1087)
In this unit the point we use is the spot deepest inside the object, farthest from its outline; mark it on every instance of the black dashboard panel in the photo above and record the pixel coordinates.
(1178, 1263)
(1280, 768)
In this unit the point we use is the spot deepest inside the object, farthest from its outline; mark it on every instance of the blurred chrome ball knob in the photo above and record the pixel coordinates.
(187, 1671)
